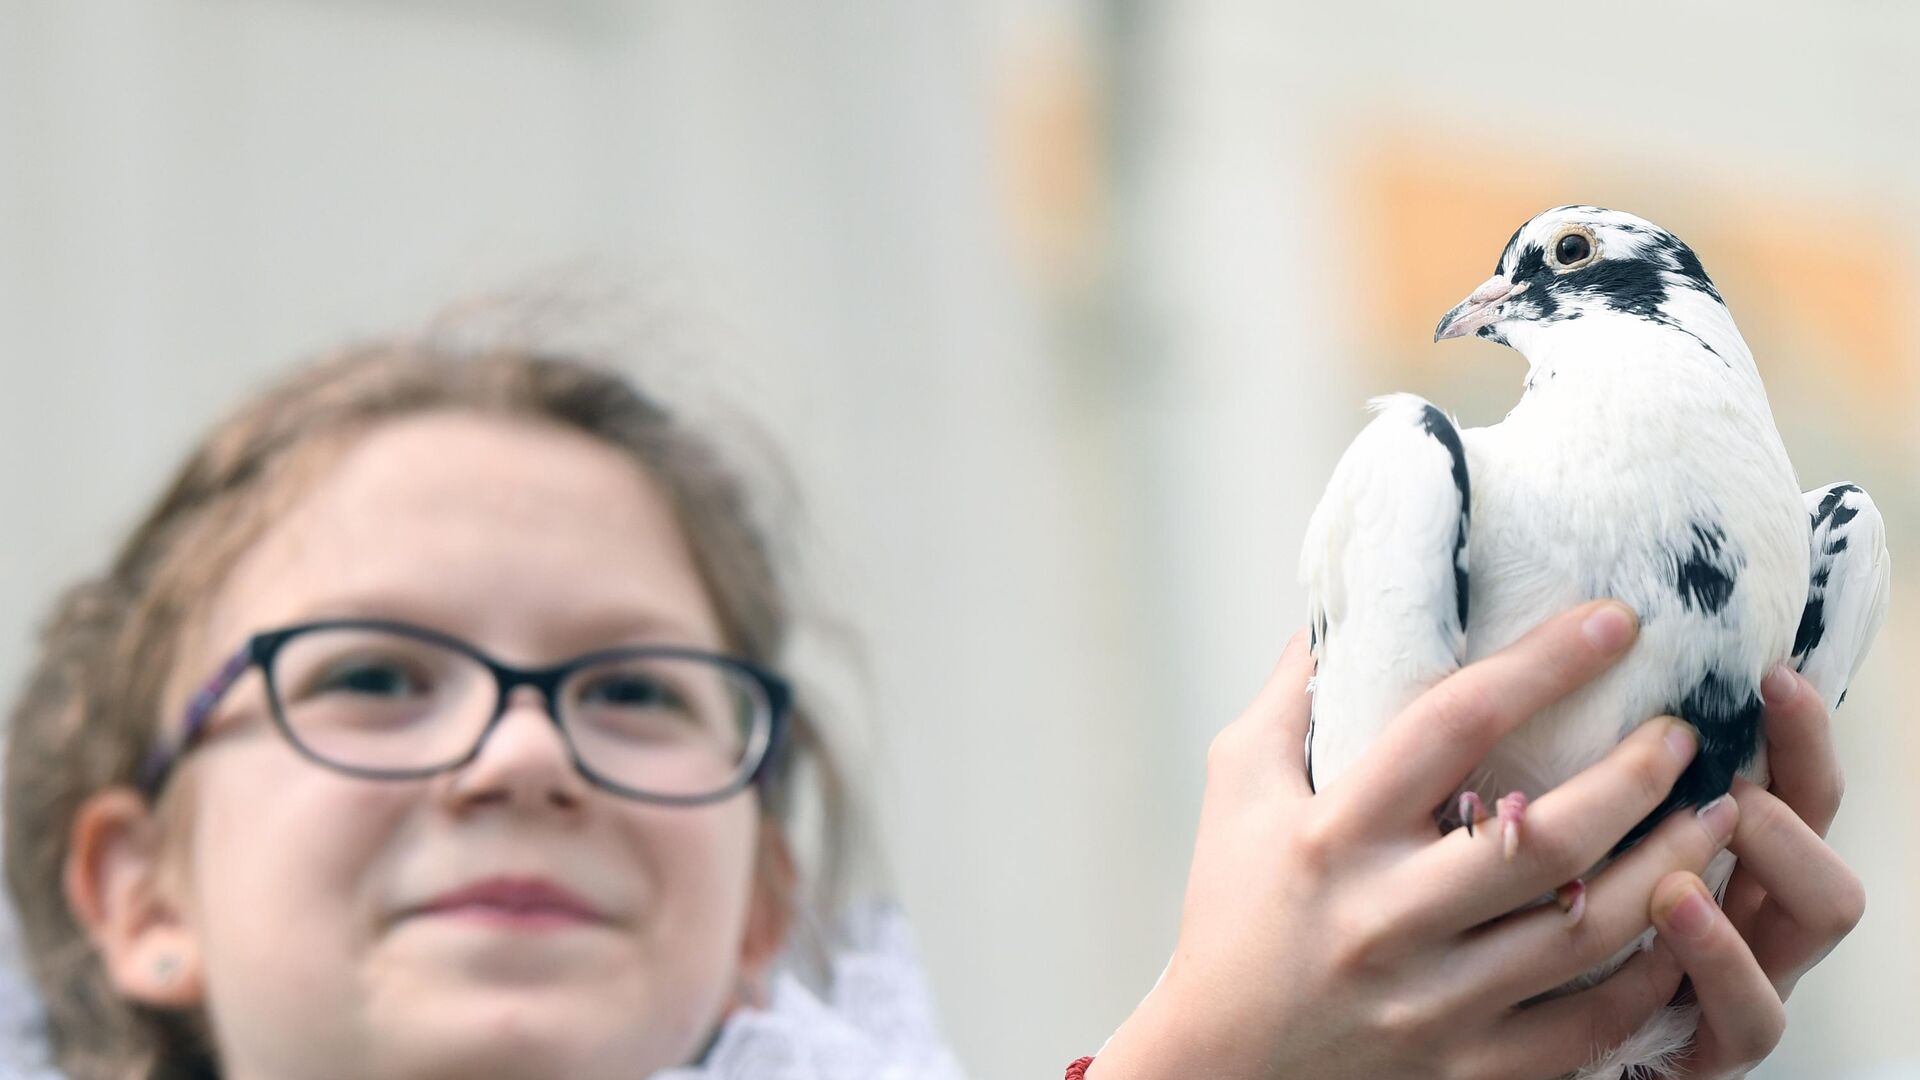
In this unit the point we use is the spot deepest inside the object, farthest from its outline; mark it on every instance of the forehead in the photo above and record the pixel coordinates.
(526, 537)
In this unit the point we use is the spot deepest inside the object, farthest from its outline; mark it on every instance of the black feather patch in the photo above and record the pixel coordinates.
(1507, 252)
(1813, 617)
(1531, 264)
(1634, 286)
(1726, 712)
(1682, 261)
(1834, 506)
(1704, 574)
(1832, 513)
(1442, 430)
(1705, 569)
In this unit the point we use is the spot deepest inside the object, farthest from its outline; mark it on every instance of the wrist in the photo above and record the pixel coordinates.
(1163, 1041)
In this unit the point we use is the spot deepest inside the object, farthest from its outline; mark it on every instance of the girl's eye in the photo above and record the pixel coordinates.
(370, 678)
(629, 692)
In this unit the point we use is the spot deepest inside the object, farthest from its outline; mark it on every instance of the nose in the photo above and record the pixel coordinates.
(523, 760)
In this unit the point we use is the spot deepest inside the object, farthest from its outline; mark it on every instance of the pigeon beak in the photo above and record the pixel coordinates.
(1480, 309)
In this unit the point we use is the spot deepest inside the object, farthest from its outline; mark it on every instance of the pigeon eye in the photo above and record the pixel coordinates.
(1573, 249)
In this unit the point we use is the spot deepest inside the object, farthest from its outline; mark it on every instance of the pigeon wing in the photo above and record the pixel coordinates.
(1847, 595)
(1385, 567)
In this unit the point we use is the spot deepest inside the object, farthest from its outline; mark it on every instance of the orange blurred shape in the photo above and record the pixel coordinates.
(1051, 155)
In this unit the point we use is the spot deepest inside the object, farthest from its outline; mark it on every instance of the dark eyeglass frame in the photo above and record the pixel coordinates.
(261, 649)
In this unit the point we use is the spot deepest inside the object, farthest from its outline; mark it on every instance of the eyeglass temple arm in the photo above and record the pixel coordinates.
(164, 753)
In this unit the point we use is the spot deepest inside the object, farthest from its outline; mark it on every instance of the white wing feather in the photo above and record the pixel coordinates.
(1847, 597)
(1384, 565)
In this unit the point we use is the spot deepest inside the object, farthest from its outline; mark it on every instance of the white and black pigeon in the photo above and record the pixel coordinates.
(1642, 464)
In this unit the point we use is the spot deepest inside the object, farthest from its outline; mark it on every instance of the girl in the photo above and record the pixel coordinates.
(431, 725)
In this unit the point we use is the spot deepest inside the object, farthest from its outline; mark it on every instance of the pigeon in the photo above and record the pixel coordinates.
(1641, 464)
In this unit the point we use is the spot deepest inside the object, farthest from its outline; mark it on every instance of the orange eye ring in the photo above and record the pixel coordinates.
(1572, 247)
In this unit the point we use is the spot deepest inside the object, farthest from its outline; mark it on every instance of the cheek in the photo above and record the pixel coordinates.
(281, 862)
(701, 863)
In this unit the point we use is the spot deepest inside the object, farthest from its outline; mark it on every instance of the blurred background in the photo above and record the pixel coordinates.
(1057, 313)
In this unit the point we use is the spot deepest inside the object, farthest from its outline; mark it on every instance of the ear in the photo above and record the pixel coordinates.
(119, 890)
(770, 915)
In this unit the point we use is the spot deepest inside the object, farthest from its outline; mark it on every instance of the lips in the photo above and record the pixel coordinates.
(514, 898)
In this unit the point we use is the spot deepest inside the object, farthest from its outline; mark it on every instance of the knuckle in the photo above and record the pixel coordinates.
(1756, 1039)
(1361, 943)
(1847, 898)
(1407, 1023)
(1696, 844)
(1223, 753)
(1558, 854)
(1651, 771)
(1592, 940)
(1315, 841)
(1770, 815)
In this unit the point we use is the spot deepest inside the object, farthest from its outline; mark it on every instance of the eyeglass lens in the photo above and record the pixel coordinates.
(375, 700)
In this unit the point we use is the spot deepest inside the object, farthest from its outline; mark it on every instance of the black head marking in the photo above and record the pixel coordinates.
(1683, 262)
(1531, 264)
(1507, 252)
(1646, 268)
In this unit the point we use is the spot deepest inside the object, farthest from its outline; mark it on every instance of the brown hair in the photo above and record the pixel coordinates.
(92, 699)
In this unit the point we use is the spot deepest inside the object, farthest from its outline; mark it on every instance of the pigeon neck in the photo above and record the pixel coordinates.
(1686, 351)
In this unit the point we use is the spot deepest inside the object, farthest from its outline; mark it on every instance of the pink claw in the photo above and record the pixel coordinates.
(1513, 806)
(1471, 809)
(1572, 898)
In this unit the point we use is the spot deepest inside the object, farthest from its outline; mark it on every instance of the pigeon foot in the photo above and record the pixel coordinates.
(1471, 809)
(1572, 898)
(1512, 808)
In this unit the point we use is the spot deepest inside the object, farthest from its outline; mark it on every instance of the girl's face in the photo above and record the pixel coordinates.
(537, 545)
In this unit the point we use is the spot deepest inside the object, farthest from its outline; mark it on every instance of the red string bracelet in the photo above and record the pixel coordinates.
(1078, 1070)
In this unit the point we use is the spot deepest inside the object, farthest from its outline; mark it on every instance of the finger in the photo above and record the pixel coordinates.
(1541, 948)
(1465, 880)
(1800, 750)
(1556, 1037)
(1266, 745)
(1741, 1015)
(1425, 753)
(1813, 899)
(1742, 898)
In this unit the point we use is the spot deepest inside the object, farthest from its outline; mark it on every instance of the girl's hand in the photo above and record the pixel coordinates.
(1334, 935)
(1789, 903)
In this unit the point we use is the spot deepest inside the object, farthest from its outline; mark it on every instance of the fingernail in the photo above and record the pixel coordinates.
(1779, 686)
(1610, 627)
(1682, 740)
(1720, 816)
(1690, 918)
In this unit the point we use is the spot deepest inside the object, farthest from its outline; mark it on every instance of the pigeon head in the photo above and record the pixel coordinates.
(1583, 263)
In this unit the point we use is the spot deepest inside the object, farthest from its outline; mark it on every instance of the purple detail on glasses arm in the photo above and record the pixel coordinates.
(199, 708)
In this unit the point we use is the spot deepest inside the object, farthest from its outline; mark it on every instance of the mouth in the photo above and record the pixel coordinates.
(1482, 307)
(514, 903)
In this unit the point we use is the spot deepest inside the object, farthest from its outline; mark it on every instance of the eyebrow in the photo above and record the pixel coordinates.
(593, 627)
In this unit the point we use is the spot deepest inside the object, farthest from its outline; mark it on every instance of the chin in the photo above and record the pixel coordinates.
(510, 1033)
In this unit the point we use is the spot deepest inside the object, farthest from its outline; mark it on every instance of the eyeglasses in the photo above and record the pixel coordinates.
(393, 701)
